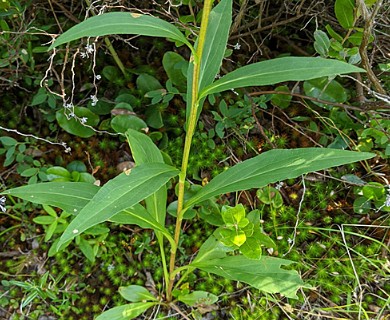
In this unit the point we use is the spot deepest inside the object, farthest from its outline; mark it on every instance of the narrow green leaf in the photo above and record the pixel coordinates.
(279, 70)
(273, 166)
(142, 148)
(69, 196)
(30, 297)
(50, 230)
(135, 293)
(265, 274)
(145, 151)
(126, 312)
(73, 196)
(333, 33)
(87, 250)
(121, 23)
(50, 211)
(44, 220)
(215, 43)
(120, 193)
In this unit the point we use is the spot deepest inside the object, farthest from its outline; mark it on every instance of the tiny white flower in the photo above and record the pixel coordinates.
(67, 149)
(83, 120)
(68, 105)
(71, 115)
(237, 46)
(2, 204)
(279, 185)
(94, 100)
(89, 48)
(83, 55)
(98, 77)
(290, 241)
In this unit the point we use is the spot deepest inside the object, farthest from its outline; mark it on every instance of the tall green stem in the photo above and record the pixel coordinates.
(192, 119)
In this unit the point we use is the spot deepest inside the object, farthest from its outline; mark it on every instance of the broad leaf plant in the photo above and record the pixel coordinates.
(139, 196)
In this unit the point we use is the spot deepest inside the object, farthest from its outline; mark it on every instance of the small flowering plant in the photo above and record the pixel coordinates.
(139, 195)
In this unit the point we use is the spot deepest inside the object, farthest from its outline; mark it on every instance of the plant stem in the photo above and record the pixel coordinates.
(192, 120)
(116, 57)
(163, 261)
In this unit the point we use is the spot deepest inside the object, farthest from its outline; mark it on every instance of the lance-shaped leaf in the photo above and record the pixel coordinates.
(279, 70)
(74, 196)
(122, 23)
(265, 274)
(145, 151)
(69, 196)
(142, 148)
(126, 311)
(217, 34)
(273, 166)
(120, 193)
